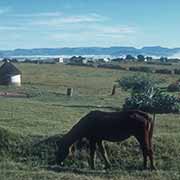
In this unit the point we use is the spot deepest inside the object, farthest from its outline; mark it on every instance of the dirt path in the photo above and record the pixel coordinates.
(12, 94)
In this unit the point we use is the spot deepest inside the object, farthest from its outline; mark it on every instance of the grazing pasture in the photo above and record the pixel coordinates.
(47, 111)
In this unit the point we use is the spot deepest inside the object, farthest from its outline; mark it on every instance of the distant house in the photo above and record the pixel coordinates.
(84, 61)
(104, 60)
(60, 60)
(9, 74)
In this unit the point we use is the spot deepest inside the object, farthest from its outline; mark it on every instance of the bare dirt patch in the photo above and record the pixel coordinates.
(13, 94)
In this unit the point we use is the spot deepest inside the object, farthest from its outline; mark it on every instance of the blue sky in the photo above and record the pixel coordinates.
(77, 23)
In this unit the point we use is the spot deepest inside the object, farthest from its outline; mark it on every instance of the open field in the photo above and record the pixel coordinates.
(48, 111)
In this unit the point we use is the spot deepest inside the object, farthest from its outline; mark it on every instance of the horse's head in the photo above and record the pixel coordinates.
(61, 153)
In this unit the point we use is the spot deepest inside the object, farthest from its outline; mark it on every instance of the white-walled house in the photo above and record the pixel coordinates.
(10, 75)
(60, 60)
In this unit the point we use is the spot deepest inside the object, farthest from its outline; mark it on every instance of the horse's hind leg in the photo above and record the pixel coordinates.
(145, 141)
(150, 153)
(144, 144)
(104, 154)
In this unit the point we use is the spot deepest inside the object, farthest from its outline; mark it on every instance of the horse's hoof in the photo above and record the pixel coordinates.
(107, 167)
(92, 167)
(61, 164)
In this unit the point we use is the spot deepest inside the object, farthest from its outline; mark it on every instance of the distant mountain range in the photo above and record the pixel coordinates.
(112, 51)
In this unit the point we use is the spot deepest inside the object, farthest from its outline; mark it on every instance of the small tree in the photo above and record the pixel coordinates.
(149, 58)
(147, 97)
(163, 59)
(137, 83)
(174, 87)
(129, 57)
(159, 102)
(140, 58)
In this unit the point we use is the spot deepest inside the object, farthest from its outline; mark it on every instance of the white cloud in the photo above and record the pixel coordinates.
(68, 30)
(41, 14)
(96, 35)
(118, 30)
(86, 39)
(111, 30)
(58, 17)
(96, 32)
(63, 19)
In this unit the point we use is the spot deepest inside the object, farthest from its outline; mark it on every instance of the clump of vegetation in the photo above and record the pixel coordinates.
(111, 66)
(141, 69)
(157, 103)
(148, 97)
(9, 143)
(174, 87)
(137, 83)
(176, 71)
(164, 71)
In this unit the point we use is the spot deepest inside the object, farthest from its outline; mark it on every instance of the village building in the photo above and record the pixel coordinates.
(9, 74)
(60, 60)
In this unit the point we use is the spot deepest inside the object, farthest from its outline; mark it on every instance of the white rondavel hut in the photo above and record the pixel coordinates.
(9, 74)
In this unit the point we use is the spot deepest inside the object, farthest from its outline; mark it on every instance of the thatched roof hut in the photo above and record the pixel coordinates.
(9, 74)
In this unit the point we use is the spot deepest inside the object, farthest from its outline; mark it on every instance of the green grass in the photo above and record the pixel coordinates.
(48, 111)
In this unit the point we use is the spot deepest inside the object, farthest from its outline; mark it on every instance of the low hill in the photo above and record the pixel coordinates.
(112, 51)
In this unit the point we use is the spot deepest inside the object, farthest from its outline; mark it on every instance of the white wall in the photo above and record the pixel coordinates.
(61, 60)
(16, 80)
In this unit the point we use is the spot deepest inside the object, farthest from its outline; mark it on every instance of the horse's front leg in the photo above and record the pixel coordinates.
(104, 154)
(92, 153)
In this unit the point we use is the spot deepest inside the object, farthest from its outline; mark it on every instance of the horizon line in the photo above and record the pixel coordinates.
(71, 47)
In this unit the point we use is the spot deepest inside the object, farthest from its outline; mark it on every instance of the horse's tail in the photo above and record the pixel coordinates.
(152, 123)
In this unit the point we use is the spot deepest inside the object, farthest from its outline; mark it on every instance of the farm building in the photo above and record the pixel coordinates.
(9, 74)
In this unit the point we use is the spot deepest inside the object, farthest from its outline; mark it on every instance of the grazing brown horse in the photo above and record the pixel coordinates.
(97, 126)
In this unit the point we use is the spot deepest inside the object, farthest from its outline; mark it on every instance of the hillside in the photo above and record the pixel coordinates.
(112, 51)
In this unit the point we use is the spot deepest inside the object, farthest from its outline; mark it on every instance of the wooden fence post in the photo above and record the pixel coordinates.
(69, 92)
(113, 90)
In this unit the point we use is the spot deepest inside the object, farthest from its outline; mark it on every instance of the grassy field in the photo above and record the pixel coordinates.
(47, 111)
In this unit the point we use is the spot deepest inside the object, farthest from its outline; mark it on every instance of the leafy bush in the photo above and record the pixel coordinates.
(147, 97)
(159, 63)
(165, 103)
(158, 103)
(141, 69)
(176, 71)
(174, 87)
(143, 103)
(164, 71)
(9, 143)
(111, 66)
(137, 83)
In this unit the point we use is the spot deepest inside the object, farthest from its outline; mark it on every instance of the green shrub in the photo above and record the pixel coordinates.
(146, 96)
(176, 71)
(137, 83)
(141, 69)
(111, 66)
(159, 63)
(164, 71)
(174, 87)
(9, 143)
(157, 103)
